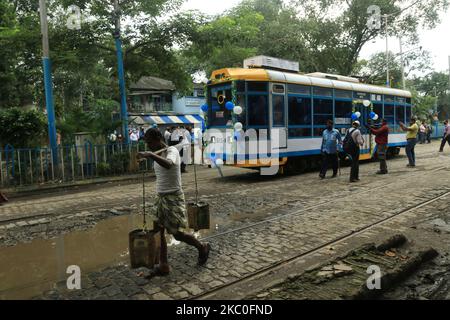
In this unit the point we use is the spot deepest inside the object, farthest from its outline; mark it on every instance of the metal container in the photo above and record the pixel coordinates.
(198, 216)
(144, 248)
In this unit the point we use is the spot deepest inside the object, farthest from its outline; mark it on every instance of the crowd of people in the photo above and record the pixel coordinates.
(333, 146)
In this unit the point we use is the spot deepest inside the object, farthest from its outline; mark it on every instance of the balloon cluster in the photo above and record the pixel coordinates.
(374, 116)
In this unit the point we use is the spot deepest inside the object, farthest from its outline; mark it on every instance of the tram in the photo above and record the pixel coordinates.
(270, 94)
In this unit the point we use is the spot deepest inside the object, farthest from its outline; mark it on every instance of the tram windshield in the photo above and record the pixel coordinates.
(218, 96)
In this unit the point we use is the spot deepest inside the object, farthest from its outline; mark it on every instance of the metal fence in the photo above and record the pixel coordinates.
(19, 167)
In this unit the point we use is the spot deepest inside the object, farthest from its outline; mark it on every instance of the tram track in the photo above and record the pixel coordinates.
(280, 264)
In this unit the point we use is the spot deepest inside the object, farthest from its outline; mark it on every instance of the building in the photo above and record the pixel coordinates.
(154, 101)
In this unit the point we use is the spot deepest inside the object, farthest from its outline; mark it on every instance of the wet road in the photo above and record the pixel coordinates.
(256, 221)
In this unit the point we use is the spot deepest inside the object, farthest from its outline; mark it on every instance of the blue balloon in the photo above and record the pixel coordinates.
(354, 117)
(204, 108)
(229, 105)
(372, 115)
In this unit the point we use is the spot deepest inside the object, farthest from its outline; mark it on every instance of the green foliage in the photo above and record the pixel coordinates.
(119, 162)
(21, 128)
(103, 169)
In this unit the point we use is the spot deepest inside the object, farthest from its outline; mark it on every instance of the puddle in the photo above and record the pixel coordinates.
(27, 270)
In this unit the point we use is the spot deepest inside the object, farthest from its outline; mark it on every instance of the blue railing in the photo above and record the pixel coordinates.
(27, 166)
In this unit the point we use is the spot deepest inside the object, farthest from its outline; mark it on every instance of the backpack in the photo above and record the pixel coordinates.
(348, 143)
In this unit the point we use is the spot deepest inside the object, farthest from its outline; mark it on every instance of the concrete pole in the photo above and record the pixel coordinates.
(388, 80)
(403, 64)
(121, 73)
(48, 81)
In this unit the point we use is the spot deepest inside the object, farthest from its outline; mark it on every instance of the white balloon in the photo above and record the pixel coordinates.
(376, 117)
(219, 162)
(366, 103)
(237, 110)
(238, 126)
(358, 114)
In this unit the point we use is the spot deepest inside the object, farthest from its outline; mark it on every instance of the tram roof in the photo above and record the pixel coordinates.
(229, 74)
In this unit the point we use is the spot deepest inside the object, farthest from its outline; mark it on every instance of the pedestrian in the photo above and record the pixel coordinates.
(175, 136)
(422, 133)
(170, 203)
(352, 146)
(167, 134)
(411, 141)
(446, 136)
(3, 198)
(330, 138)
(381, 139)
(429, 132)
(134, 137)
(141, 133)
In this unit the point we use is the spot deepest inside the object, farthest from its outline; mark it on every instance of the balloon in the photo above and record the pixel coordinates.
(376, 117)
(237, 136)
(237, 110)
(219, 162)
(354, 116)
(366, 103)
(229, 105)
(358, 115)
(372, 115)
(204, 108)
(238, 126)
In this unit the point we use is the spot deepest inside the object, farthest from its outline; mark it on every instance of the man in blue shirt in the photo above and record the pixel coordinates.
(331, 137)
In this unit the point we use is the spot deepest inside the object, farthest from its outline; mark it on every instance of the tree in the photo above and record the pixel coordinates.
(21, 128)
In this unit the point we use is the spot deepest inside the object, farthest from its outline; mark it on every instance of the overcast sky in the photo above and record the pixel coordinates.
(436, 41)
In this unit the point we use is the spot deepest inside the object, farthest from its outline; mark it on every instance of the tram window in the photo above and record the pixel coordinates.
(219, 115)
(343, 109)
(323, 111)
(399, 113)
(257, 111)
(343, 94)
(378, 109)
(299, 111)
(240, 86)
(408, 100)
(278, 88)
(278, 111)
(299, 89)
(408, 114)
(318, 132)
(388, 99)
(400, 100)
(257, 86)
(389, 113)
(325, 92)
(241, 102)
(299, 132)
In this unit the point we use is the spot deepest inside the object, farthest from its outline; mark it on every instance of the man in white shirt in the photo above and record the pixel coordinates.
(170, 205)
(134, 137)
(167, 135)
(355, 151)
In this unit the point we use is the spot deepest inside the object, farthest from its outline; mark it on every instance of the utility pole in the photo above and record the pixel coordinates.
(388, 80)
(403, 64)
(48, 82)
(120, 72)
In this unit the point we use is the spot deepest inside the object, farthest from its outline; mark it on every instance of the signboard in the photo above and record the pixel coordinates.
(341, 121)
(194, 102)
(220, 114)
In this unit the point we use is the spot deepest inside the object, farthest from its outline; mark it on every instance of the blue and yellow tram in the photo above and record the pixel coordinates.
(298, 106)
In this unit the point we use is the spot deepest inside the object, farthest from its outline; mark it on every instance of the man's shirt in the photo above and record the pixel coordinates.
(169, 180)
(412, 131)
(329, 141)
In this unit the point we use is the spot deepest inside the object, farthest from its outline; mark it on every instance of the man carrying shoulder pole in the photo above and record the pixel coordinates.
(170, 203)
